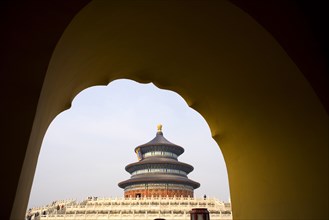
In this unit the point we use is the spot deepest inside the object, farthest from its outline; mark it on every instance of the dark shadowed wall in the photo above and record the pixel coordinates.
(267, 114)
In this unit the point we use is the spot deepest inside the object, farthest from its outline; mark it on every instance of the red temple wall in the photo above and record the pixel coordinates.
(159, 192)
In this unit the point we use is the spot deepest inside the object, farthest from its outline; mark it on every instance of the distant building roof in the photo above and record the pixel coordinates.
(160, 140)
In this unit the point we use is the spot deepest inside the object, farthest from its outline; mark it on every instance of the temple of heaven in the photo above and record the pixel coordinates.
(158, 173)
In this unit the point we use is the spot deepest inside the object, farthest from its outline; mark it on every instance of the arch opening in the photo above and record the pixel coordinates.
(86, 147)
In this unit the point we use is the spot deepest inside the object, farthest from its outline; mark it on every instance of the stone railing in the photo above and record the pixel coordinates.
(135, 208)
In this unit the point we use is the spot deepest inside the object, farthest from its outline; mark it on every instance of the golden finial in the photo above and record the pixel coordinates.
(159, 127)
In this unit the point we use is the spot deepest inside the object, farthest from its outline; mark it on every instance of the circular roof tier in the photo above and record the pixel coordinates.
(159, 140)
(160, 179)
(158, 161)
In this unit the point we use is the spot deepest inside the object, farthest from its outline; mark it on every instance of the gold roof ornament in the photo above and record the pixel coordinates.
(159, 127)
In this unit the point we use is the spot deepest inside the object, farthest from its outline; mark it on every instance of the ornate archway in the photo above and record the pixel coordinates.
(271, 126)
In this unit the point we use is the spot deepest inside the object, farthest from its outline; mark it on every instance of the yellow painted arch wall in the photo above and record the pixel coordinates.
(270, 125)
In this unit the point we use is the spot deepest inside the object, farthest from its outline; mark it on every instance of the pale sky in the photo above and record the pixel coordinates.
(86, 148)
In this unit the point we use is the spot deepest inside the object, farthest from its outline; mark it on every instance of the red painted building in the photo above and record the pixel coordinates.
(158, 171)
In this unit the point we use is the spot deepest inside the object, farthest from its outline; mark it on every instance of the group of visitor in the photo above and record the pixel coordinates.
(30, 215)
(36, 216)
